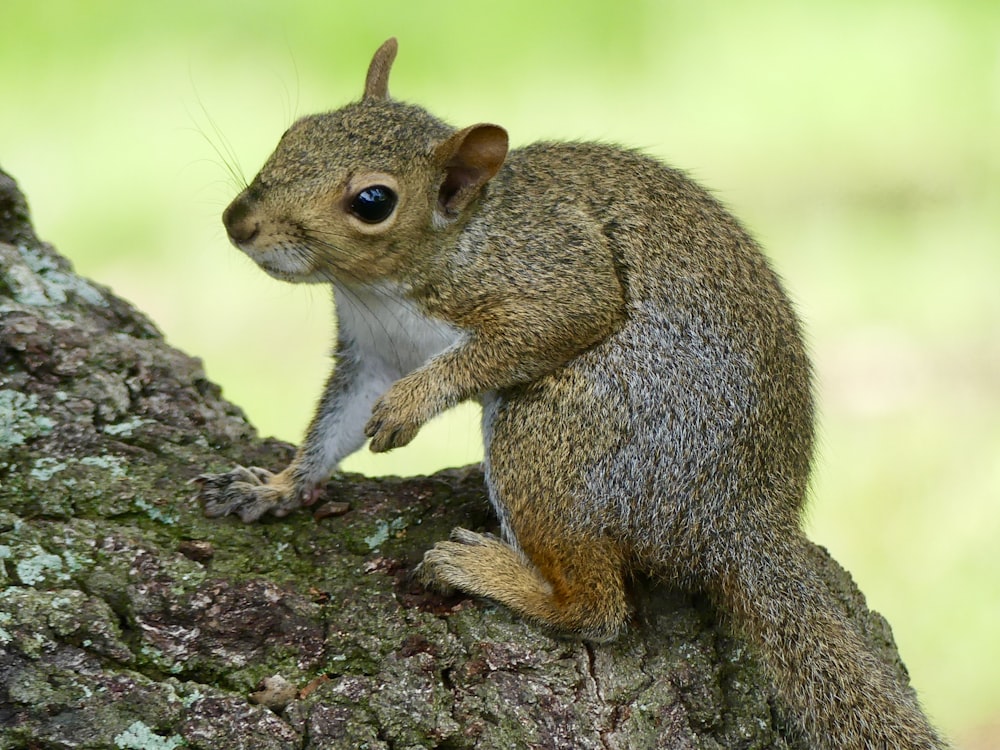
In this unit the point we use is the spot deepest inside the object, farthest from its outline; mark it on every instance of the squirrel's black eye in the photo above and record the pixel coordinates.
(373, 204)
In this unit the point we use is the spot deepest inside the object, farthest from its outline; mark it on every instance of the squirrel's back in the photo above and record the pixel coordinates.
(706, 380)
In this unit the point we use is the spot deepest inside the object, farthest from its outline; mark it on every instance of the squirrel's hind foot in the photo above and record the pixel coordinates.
(483, 565)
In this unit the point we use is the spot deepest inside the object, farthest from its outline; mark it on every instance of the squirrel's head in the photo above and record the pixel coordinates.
(353, 195)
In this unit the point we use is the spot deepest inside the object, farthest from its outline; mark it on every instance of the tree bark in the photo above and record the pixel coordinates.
(129, 620)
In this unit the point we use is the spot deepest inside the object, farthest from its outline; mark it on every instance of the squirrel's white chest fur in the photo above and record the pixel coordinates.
(388, 330)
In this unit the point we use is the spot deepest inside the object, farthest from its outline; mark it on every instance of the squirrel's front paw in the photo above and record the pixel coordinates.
(392, 424)
(250, 493)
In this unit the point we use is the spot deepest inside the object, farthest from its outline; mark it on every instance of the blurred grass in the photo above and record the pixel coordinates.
(858, 140)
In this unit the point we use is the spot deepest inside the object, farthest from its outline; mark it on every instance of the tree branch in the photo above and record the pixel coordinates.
(129, 620)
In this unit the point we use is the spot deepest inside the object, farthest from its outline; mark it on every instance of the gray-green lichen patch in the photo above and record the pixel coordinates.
(125, 428)
(115, 465)
(37, 622)
(5, 554)
(154, 512)
(43, 555)
(35, 279)
(45, 468)
(19, 420)
(383, 530)
(138, 736)
(39, 566)
(62, 485)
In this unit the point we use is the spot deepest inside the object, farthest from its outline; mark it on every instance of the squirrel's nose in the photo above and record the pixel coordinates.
(239, 220)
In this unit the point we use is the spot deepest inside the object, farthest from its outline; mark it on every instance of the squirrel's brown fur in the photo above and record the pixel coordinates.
(646, 394)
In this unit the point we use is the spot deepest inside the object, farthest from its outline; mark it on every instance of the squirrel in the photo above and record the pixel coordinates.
(646, 394)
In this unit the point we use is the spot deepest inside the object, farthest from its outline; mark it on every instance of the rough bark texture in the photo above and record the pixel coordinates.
(128, 620)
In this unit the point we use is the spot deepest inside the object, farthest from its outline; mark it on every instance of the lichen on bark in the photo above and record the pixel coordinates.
(129, 620)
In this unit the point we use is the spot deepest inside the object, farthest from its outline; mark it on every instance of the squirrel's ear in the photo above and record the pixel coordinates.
(470, 158)
(377, 81)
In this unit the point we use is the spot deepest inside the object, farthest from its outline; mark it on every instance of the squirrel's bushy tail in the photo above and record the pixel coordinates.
(843, 693)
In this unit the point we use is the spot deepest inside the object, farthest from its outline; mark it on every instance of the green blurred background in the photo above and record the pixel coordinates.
(859, 140)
